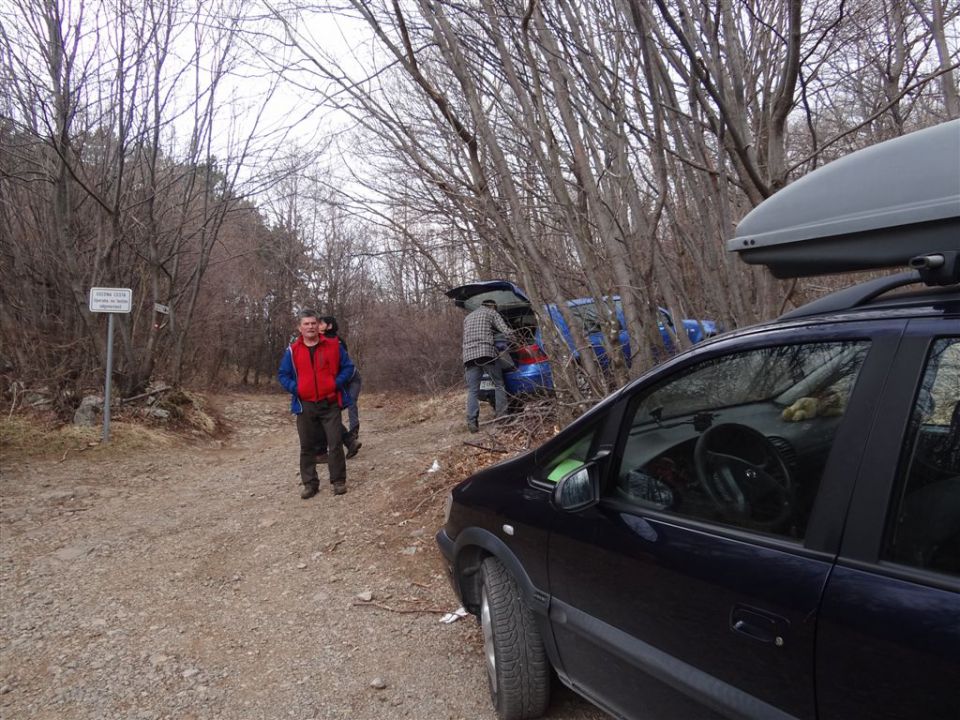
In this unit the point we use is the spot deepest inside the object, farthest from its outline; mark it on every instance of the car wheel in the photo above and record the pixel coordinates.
(517, 666)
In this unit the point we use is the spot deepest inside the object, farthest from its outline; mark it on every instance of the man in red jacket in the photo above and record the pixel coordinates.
(315, 370)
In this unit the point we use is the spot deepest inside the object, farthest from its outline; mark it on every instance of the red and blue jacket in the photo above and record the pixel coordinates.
(324, 377)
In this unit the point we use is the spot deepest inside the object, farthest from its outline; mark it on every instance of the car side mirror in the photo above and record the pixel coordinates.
(578, 489)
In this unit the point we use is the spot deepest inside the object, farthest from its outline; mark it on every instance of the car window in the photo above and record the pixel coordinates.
(586, 315)
(779, 376)
(924, 526)
(742, 439)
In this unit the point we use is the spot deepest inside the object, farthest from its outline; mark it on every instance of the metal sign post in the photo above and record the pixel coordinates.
(110, 301)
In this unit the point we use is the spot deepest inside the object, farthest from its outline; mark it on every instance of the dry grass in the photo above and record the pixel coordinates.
(408, 411)
(35, 434)
(191, 412)
(32, 436)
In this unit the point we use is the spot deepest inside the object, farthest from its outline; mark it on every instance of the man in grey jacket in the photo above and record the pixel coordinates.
(479, 355)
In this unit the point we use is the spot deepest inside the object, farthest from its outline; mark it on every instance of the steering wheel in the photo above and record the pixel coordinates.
(744, 476)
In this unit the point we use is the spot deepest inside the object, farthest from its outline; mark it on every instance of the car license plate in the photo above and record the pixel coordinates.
(486, 384)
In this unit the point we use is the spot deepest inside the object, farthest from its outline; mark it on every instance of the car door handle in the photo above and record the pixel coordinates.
(759, 625)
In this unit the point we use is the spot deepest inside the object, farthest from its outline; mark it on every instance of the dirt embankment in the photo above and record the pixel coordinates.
(188, 580)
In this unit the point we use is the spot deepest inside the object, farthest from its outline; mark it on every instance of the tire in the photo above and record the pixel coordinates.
(518, 671)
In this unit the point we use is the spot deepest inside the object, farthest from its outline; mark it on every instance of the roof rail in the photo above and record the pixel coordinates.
(860, 294)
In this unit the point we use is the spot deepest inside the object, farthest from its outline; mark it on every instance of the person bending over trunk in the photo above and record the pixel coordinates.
(479, 355)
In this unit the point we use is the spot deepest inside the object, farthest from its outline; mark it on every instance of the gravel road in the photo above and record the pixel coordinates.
(190, 580)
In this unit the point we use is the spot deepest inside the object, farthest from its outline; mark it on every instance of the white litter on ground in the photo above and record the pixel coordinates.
(452, 617)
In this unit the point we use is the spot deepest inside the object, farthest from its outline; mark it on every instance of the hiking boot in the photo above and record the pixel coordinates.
(339, 488)
(473, 426)
(353, 447)
(309, 491)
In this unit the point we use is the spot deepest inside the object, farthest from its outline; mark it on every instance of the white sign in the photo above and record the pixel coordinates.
(161, 308)
(111, 300)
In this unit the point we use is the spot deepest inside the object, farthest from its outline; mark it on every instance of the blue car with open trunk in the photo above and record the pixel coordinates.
(532, 373)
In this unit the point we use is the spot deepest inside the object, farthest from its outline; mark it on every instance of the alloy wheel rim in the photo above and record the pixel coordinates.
(488, 649)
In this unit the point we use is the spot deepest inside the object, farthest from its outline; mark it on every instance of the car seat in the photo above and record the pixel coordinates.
(946, 453)
(928, 529)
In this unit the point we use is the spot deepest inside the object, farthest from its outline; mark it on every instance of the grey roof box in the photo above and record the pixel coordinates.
(878, 207)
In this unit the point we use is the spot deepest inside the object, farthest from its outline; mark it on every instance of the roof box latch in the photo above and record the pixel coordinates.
(938, 268)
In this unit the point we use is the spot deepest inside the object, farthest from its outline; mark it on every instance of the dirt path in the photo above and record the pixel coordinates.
(192, 582)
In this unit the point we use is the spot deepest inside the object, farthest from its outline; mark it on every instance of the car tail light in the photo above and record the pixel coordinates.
(530, 354)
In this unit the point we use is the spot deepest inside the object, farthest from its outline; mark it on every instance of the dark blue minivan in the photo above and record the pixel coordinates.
(532, 373)
(767, 525)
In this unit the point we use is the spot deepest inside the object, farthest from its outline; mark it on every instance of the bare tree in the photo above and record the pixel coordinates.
(608, 148)
(97, 190)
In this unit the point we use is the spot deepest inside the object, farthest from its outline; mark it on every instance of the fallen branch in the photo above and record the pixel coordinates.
(83, 449)
(482, 447)
(429, 497)
(13, 403)
(146, 394)
(400, 610)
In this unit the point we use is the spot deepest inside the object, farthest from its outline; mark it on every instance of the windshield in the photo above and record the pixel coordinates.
(780, 375)
(587, 314)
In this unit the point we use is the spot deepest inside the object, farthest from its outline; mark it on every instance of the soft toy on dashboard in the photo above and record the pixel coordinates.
(810, 407)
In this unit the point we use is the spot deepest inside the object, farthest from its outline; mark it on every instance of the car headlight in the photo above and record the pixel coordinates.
(447, 507)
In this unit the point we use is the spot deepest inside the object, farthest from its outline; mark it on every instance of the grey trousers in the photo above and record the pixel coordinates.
(472, 375)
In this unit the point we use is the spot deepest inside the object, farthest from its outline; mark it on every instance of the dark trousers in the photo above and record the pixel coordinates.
(317, 422)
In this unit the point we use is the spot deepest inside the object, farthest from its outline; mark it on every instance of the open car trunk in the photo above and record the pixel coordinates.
(512, 304)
